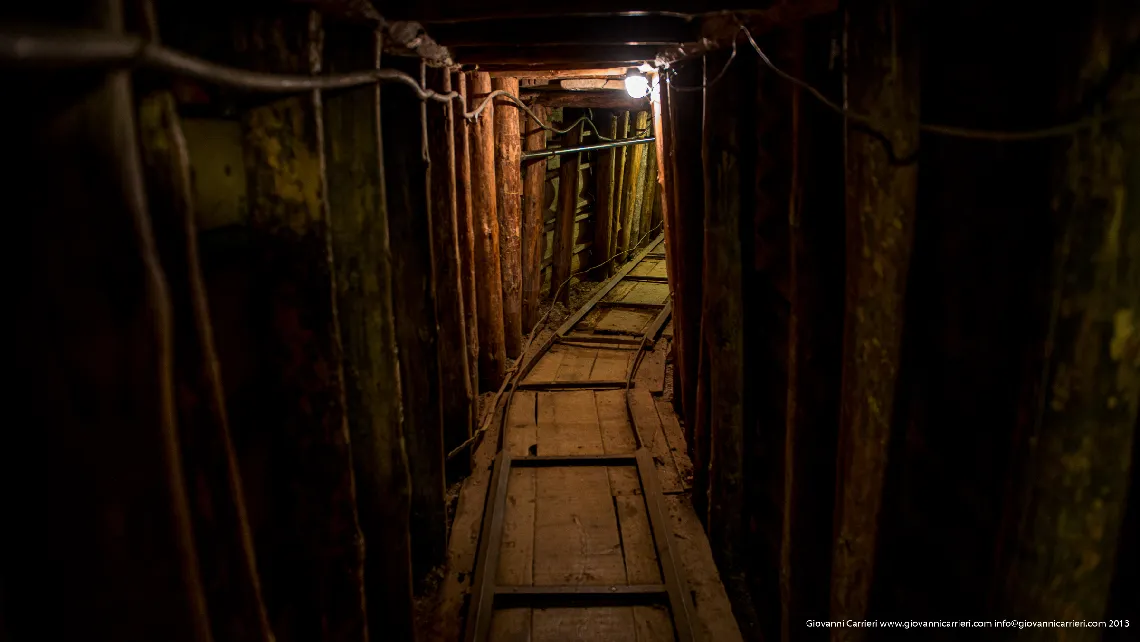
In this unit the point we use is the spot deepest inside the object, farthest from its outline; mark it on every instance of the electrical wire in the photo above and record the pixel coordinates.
(95, 49)
(712, 82)
(516, 369)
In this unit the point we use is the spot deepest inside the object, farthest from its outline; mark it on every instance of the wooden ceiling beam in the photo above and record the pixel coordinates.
(556, 74)
(465, 10)
(598, 99)
(612, 56)
(567, 30)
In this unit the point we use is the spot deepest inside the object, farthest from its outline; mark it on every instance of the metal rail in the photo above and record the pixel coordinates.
(557, 151)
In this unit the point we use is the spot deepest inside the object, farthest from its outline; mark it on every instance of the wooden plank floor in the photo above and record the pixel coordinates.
(589, 525)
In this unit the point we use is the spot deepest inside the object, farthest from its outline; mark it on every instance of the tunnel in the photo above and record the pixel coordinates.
(637, 320)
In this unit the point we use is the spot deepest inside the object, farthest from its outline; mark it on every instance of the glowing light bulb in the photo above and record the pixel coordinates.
(636, 85)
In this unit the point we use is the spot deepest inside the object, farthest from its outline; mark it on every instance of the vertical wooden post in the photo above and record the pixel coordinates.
(604, 208)
(315, 565)
(229, 573)
(617, 226)
(112, 529)
(633, 187)
(815, 334)
(410, 225)
(465, 221)
(1081, 459)
(688, 230)
(484, 202)
(726, 181)
(662, 131)
(458, 400)
(362, 257)
(648, 190)
(568, 176)
(882, 81)
(533, 226)
(508, 192)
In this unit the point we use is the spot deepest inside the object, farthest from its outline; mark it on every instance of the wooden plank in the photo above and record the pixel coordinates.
(458, 400)
(311, 451)
(568, 178)
(715, 618)
(617, 321)
(604, 197)
(508, 186)
(617, 437)
(642, 292)
(489, 303)
(358, 221)
(465, 226)
(547, 366)
(631, 184)
(727, 175)
(686, 225)
(620, 290)
(651, 371)
(648, 425)
(600, 294)
(587, 99)
(632, 55)
(675, 437)
(576, 534)
(612, 363)
(621, 160)
(645, 267)
(651, 623)
(516, 556)
(883, 82)
(410, 223)
(533, 226)
(576, 364)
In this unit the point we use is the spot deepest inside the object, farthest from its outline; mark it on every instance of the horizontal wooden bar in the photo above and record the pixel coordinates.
(580, 596)
(596, 98)
(567, 30)
(593, 338)
(586, 56)
(647, 279)
(573, 385)
(630, 304)
(655, 255)
(547, 461)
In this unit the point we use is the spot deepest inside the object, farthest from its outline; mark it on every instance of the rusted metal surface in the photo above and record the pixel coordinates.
(411, 227)
(485, 212)
(358, 223)
(533, 228)
(458, 401)
(508, 184)
(882, 81)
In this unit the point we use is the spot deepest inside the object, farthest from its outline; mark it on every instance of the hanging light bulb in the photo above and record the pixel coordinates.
(636, 84)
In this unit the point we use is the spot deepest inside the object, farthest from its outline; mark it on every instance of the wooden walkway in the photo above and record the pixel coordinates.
(583, 530)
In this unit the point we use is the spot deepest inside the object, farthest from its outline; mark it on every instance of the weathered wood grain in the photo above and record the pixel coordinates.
(508, 194)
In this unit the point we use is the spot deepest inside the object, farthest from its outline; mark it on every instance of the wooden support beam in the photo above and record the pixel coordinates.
(619, 198)
(727, 177)
(488, 270)
(523, 69)
(465, 226)
(310, 444)
(533, 227)
(567, 30)
(633, 185)
(458, 399)
(629, 55)
(113, 526)
(410, 224)
(229, 573)
(362, 261)
(604, 195)
(1072, 554)
(567, 205)
(663, 132)
(686, 220)
(508, 192)
(648, 189)
(553, 74)
(882, 82)
(595, 98)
